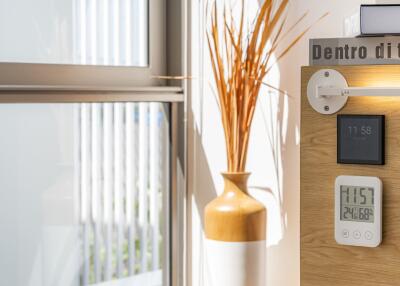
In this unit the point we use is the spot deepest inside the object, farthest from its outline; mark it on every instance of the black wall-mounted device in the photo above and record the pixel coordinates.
(361, 139)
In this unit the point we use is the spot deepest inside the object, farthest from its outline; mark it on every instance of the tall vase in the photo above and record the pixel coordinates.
(235, 226)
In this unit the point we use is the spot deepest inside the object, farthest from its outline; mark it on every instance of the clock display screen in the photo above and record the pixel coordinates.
(360, 139)
(357, 203)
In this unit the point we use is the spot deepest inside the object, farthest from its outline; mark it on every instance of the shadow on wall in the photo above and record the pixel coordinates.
(280, 191)
(208, 191)
(202, 196)
(274, 161)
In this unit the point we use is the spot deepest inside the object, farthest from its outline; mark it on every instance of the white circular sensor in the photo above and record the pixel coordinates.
(326, 78)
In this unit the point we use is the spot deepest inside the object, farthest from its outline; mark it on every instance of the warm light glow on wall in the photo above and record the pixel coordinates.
(328, 90)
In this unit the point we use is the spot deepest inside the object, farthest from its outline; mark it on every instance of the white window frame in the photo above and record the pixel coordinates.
(71, 75)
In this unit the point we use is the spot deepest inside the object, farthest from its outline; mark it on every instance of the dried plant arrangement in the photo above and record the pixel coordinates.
(241, 58)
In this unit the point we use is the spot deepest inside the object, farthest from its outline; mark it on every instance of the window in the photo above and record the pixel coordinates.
(99, 32)
(89, 167)
(84, 193)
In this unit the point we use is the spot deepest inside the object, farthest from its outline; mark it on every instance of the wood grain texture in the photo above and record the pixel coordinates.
(323, 261)
(235, 216)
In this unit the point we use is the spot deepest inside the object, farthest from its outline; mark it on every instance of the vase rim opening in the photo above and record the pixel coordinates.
(235, 173)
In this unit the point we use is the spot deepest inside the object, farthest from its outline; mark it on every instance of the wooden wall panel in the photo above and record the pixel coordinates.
(323, 261)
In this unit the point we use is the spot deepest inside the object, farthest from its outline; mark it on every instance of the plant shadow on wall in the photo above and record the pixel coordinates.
(239, 69)
(276, 164)
(274, 120)
(272, 154)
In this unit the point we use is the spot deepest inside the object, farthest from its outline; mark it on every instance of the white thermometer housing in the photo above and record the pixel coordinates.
(358, 211)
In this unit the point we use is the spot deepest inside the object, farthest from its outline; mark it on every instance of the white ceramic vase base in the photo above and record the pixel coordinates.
(236, 263)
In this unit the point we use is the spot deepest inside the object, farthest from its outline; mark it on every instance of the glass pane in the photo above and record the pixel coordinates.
(83, 194)
(98, 32)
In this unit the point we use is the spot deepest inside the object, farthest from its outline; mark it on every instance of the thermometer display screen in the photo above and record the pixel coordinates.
(357, 204)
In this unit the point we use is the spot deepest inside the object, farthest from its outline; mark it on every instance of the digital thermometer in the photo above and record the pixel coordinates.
(358, 211)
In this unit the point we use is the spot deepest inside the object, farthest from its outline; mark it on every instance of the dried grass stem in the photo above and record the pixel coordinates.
(240, 60)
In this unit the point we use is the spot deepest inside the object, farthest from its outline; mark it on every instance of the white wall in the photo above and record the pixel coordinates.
(274, 146)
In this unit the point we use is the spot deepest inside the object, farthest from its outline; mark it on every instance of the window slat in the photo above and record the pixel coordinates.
(85, 190)
(96, 187)
(143, 183)
(154, 182)
(130, 184)
(118, 184)
(108, 187)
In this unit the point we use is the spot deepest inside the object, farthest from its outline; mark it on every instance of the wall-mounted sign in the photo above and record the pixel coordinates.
(361, 139)
(355, 51)
(358, 211)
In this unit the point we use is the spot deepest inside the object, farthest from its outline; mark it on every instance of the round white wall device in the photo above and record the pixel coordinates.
(327, 78)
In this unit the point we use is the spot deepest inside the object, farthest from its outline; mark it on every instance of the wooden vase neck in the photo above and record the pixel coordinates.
(235, 183)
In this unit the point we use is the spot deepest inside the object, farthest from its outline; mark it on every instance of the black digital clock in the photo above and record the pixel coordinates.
(361, 139)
